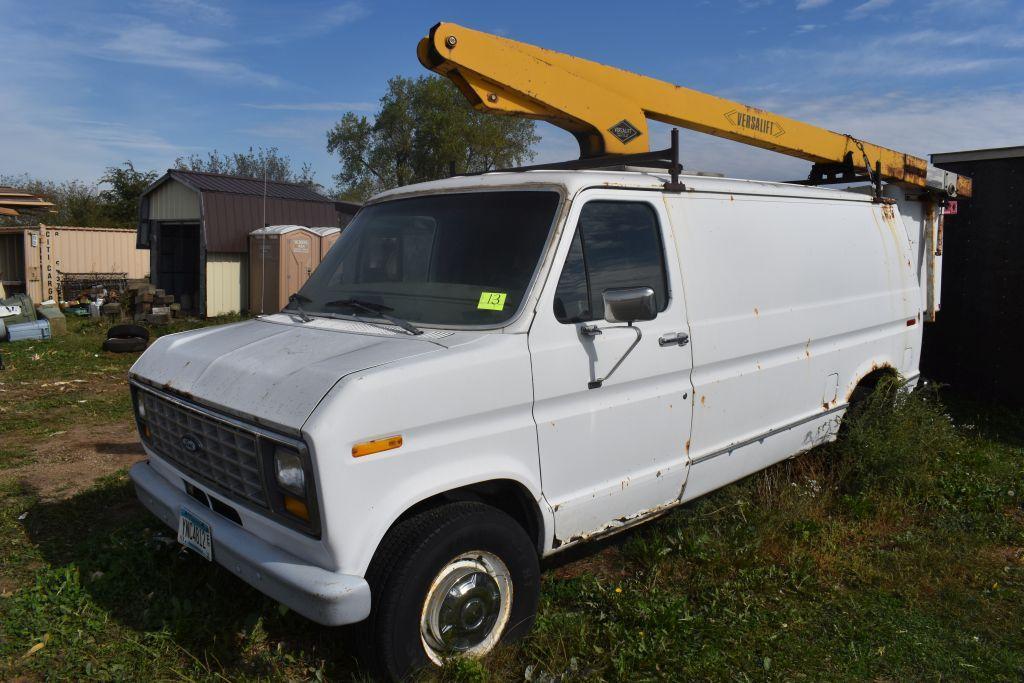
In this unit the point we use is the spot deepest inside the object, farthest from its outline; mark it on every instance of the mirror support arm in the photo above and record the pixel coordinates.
(596, 384)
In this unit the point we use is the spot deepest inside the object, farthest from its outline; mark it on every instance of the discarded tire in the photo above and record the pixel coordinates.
(128, 331)
(124, 344)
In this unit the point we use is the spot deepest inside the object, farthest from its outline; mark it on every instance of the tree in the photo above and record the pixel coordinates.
(251, 164)
(121, 201)
(423, 130)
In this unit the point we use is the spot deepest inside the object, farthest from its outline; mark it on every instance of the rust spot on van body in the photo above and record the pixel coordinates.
(757, 313)
(702, 397)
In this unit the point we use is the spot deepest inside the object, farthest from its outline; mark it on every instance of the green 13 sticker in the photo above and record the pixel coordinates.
(492, 301)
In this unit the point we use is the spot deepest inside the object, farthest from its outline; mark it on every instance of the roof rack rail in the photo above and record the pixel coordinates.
(667, 159)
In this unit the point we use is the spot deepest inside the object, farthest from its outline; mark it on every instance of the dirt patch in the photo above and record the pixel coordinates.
(1009, 555)
(70, 462)
(603, 562)
(92, 382)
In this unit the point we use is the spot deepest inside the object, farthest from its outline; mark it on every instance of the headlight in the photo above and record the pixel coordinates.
(140, 405)
(288, 470)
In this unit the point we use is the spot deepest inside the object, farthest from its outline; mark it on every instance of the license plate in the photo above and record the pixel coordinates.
(194, 533)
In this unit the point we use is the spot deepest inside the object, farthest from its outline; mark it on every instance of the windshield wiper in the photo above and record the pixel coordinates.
(378, 310)
(296, 300)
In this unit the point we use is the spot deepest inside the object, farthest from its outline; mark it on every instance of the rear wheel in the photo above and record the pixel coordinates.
(452, 581)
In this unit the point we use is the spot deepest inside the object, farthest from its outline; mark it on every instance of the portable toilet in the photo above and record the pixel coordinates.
(281, 258)
(328, 236)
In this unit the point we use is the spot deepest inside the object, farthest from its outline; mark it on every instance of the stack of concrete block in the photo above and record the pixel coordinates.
(147, 303)
(112, 310)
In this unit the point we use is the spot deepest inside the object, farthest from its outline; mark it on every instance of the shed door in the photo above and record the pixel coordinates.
(177, 263)
(301, 256)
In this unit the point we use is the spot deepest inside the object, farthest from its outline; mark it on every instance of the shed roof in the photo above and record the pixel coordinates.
(219, 182)
(979, 155)
(14, 202)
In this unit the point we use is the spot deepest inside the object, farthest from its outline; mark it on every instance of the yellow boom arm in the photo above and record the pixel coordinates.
(607, 108)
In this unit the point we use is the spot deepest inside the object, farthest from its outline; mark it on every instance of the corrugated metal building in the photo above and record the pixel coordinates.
(974, 344)
(196, 226)
(32, 257)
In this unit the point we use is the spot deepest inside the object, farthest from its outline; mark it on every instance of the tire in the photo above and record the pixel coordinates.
(125, 331)
(422, 553)
(124, 344)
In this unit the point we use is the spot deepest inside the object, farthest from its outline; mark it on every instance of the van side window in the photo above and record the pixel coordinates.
(616, 245)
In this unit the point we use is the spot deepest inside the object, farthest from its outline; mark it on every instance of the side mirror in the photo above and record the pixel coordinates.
(629, 305)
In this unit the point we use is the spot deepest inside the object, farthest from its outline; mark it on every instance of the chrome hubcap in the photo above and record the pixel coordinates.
(467, 606)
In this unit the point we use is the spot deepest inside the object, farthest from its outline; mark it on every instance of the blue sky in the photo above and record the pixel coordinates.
(88, 84)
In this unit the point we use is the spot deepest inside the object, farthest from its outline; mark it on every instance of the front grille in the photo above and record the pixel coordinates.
(213, 451)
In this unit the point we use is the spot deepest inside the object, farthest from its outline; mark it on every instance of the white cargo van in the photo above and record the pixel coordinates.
(487, 370)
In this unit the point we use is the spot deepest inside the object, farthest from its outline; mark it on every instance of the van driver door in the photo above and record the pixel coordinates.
(613, 453)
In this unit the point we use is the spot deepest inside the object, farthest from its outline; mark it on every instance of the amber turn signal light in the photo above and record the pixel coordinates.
(296, 507)
(376, 446)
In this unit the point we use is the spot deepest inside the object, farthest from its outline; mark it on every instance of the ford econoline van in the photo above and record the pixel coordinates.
(487, 370)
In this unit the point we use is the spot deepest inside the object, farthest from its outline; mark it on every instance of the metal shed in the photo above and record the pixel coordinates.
(196, 226)
(982, 278)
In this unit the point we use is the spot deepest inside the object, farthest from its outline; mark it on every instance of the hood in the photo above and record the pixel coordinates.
(272, 372)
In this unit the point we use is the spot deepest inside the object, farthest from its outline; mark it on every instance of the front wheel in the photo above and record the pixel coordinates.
(452, 581)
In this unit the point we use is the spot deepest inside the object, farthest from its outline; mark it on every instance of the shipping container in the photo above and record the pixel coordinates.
(33, 257)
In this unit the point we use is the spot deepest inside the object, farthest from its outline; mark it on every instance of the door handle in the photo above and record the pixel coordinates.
(674, 339)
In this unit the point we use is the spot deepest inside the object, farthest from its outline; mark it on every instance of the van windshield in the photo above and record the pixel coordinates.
(451, 259)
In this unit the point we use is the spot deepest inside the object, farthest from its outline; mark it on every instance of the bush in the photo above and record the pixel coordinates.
(894, 442)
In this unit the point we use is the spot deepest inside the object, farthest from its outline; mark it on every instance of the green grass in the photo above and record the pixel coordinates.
(896, 553)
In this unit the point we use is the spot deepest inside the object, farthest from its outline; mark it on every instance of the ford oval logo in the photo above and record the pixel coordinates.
(191, 443)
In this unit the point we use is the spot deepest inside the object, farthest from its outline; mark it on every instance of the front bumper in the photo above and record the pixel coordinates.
(325, 597)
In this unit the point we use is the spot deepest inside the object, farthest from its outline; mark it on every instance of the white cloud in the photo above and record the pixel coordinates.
(192, 10)
(154, 44)
(920, 125)
(866, 8)
(807, 28)
(344, 13)
(971, 6)
(56, 142)
(811, 4)
(993, 36)
(313, 106)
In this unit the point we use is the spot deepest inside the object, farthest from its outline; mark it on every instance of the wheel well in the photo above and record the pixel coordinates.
(866, 384)
(509, 496)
